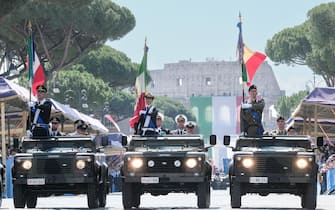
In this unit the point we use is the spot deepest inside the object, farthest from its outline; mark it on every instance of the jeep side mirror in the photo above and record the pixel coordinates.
(104, 141)
(212, 139)
(124, 141)
(319, 141)
(226, 140)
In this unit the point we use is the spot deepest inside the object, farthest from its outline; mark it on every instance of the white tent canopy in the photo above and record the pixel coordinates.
(16, 98)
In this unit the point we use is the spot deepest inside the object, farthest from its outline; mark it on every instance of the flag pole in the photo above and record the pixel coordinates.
(146, 62)
(30, 57)
(241, 53)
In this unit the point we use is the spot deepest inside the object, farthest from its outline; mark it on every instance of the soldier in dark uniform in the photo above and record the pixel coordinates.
(39, 118)
(55, 121)
(280, 131)
(147, 122)
(251, 114)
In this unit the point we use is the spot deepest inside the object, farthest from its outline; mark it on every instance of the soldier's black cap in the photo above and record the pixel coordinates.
(77, 122)
(252, 87)
(82, 126)
(280, 118)
(291, 128)
(55, 119)
(41, 88)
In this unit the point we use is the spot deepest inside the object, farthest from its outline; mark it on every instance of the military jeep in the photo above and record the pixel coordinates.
(58, 166)
(274, 164)
(164, 164)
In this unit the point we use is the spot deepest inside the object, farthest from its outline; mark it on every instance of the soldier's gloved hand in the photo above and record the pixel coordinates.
(246, 106)
(29, 133)
(243, 134)
(30, 104)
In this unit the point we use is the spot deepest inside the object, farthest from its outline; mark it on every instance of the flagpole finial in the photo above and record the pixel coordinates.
(29, 26)
(240, 17)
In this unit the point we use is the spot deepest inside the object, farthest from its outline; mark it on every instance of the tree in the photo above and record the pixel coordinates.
(63, 30)
(79, 88)
(311, 43)
(114, 67)
(287, 104)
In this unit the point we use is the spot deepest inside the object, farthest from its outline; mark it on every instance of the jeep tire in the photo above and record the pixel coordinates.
(127, 195)
(18, 196)
(31, 200)
(203, 193)
(92, 196)
(308, 198)
(102, 194)
(235, 195)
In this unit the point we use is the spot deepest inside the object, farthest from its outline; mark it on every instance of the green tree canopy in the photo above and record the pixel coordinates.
(287, 104)
(311, 43)
(77, 88)
(114, 67)
(63, 30)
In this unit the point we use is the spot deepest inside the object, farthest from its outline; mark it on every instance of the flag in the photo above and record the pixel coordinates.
(140, 88)
(36, 72)
(252, 61)
(248, 59)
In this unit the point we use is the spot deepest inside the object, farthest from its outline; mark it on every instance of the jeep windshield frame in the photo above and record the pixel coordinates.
(193, 143)
(59, 144)
(297, 142)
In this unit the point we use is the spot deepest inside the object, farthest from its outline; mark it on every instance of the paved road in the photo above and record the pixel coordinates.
(219, 200)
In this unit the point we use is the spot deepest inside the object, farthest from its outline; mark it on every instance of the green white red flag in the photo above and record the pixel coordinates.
(36, 72)
(140, 88)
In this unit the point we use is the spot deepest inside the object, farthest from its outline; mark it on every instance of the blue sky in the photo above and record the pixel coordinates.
(197, 30)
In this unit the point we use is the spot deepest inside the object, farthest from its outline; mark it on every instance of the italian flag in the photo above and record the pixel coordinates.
(36, 72)
(251, 62)
(140, 88)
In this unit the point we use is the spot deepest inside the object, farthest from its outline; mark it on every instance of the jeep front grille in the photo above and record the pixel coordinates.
(273, 165)
(53, 166)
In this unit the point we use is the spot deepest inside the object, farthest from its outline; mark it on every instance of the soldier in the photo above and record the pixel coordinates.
(280, 127)
(291, 131)
(38, 121)
(55, 121)
(180, 120)
(190, 127)
(159, 122)
(147, 122)
(251, 114)
(81, 129)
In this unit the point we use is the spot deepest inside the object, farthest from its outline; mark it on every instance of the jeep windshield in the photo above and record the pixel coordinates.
(167, 143)
(60, 145)
(279, 143)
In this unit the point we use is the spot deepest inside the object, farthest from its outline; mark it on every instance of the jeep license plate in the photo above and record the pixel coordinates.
(36, 181)
(256, 180)
(149, 180)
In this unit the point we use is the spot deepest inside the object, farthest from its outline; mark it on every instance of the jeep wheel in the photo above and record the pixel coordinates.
(308, 198)
(235, 195)
(31, 200)
(102, 194)
(92, 197)
(127, 195)
(1, 190)
(136, 197)
(204, 194)
(18, 196)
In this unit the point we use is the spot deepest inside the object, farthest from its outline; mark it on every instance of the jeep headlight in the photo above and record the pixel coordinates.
(27, 164)
(80, 164)
(191, 162)
(136, 163)
(248, 162)
(301, 163)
